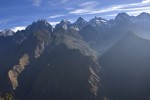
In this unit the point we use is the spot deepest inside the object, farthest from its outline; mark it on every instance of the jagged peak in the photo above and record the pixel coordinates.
(97, 21)
(80, 19)
(64, 24)
(143, 15)
(40, 24)
(65, 21)
(98, 18)
(41, 21)
(122, 15)
(7, 32)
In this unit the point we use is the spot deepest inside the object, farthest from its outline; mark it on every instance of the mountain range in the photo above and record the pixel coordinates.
(86, 60)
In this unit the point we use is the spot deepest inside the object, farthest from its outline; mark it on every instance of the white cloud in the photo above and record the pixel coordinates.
(56, 16)
(53, 23)
(135, 9)
(15, 29)
(80, 11)
(94, 9)
(37, 2)
(89, 4)
(86, 7)
(135, 13)
(64, 1)
(146, 1)
(110, 15)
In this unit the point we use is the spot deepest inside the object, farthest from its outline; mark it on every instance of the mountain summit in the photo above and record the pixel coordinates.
(80, 23)
(7, 32)
(41, 24)
(63, 25)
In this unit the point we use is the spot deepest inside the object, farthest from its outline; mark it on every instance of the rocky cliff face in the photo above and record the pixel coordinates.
(64, 77)
(17, 69)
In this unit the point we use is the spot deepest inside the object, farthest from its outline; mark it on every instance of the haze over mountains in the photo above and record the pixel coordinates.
(96, 60)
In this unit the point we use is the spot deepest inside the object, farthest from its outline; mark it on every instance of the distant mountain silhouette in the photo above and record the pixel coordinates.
(127, 68)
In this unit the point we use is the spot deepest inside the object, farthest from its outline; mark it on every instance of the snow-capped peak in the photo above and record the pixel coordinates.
(64, 24)
(97, 21)
(7, 32)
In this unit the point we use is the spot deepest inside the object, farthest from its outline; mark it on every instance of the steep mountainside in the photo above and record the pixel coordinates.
(126, 67)
(56, 65)
(61, 73)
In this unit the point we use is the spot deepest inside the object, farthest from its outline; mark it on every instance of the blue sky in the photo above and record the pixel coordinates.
(17, 14)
